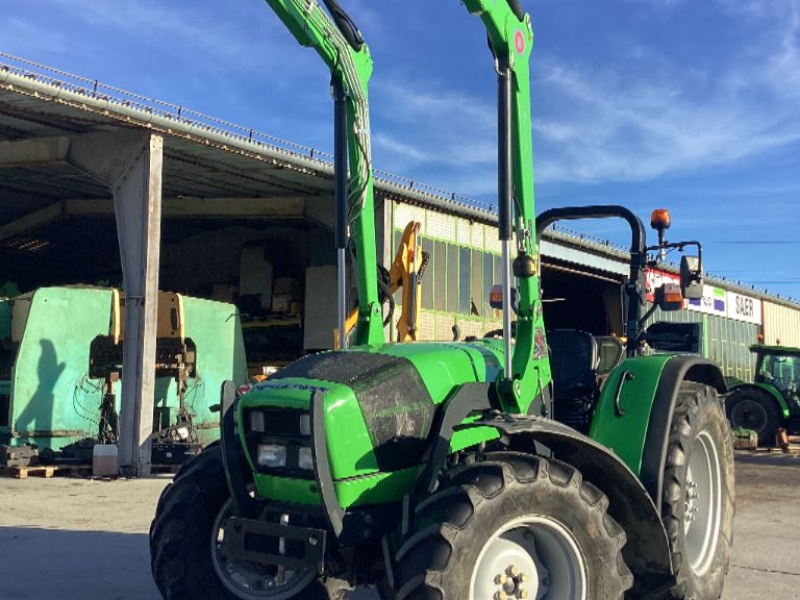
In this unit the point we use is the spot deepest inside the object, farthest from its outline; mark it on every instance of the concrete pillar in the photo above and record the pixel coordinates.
(130, 164)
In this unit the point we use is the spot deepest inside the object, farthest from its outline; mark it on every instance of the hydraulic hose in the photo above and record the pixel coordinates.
(516, 8)
(345, 25)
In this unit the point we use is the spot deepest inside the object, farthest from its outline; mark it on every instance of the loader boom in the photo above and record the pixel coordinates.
(527, 371)
(338, 42)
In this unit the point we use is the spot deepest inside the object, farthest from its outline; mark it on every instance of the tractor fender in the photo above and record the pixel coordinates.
(770, 391)
(678, 369)
(647, 550)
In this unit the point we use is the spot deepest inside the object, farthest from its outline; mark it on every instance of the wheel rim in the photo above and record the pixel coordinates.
(248, 580)
(750, 415)
(530, 558)
(702, 503)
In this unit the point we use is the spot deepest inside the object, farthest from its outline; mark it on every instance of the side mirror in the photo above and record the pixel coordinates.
(496, 297)
(691, 278)
(668, 297)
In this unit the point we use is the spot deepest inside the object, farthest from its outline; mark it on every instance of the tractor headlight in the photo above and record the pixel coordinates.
(271, 456)
(305, 459)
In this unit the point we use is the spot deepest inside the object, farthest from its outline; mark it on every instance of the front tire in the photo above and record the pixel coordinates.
(698, 493)
(752, 409)
(513, 526)
(186, 555)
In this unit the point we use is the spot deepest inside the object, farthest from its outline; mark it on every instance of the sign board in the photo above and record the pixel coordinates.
(744, 308)
(713, 302)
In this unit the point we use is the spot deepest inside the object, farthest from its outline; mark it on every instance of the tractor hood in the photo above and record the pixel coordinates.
(378, 406)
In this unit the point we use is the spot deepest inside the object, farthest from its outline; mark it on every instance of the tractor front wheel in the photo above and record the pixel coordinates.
(187, 551)
(698, 496)
(513, 526)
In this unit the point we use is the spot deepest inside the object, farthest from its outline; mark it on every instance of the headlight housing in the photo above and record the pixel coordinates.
(279, 441)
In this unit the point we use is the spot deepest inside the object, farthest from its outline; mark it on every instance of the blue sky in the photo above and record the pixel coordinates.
(689, 105)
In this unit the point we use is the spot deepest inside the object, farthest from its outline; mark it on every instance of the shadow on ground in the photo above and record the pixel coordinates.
(53, 564)
(56, 564)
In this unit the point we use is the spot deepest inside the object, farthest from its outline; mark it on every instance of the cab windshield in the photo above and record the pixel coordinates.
(781, 371)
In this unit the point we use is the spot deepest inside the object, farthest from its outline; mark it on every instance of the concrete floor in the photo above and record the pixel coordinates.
(73, 539)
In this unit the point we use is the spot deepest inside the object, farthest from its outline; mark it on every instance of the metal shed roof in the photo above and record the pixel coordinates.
(206, 158)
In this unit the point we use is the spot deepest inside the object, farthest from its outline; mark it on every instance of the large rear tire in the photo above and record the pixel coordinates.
(698, 496)
(513, 526)
(187, 559)
(756, 410)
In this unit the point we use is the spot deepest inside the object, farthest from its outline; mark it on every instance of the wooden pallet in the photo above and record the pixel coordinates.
(46, 471)
(164, 469)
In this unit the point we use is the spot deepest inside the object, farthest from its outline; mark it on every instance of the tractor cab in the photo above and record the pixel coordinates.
(581, 362)
(779, 367)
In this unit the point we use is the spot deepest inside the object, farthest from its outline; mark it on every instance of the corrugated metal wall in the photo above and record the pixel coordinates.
(725, 342)
(781, 325)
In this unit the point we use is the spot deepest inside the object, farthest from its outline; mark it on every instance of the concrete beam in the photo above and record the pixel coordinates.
(33, 221)
(34, 152)
(279, 207)
(130, 165)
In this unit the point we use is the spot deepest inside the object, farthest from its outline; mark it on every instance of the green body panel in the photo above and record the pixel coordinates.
(369, 489)
(626, 435)
(443, 367)
(770, 390)
(50, 391)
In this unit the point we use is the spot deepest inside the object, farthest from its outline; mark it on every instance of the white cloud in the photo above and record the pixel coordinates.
(178, 29)
(426, 126)
(592, 124)
(637, 126)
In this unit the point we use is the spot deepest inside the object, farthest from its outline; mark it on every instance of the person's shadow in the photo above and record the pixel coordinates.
(38, 412)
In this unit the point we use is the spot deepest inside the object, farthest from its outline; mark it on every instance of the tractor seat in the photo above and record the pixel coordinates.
(574, 362)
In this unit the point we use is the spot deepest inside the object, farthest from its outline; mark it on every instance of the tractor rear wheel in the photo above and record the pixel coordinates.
(698, 497)
(513, 526)
(753, 409)
(187, 556)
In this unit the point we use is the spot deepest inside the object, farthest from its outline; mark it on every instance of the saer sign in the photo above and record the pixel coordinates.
(744, 308)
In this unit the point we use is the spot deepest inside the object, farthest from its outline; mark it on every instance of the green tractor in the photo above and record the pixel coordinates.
(438, 470)
(772, 401)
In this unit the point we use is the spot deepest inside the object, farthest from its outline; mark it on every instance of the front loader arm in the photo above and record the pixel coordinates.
(339, 44)
(511, 40)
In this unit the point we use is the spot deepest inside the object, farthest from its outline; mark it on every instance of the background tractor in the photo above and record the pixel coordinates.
(437, 470)
(773, 399)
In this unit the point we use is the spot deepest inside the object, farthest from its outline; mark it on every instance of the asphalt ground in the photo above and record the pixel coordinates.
(76, 539)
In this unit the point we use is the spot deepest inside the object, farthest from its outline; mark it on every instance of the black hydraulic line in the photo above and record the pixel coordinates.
(504, 156)
(345, 24)
(516, 8)
(340, 162)
(386, 292)
(413, 281)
